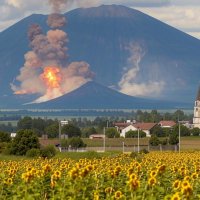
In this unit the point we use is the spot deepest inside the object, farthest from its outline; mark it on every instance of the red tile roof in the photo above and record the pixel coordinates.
(167, 123)
(144, 126)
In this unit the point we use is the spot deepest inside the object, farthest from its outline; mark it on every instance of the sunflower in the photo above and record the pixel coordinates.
(176, 184)
(152, 181)
(176, 197)
(118, 194)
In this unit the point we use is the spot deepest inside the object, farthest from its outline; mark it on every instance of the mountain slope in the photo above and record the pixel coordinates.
(100, 36)
(96, 96)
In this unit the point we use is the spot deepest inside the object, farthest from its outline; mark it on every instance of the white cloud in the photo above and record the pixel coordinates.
(185, 2)
(184, 18)
(14, 3)
(18, 9)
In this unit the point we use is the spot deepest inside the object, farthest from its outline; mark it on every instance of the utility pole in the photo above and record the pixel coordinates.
(179, 137)
(104, 139)
(138, 140)
(59, 125)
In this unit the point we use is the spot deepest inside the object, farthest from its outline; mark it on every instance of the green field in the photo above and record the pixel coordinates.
(187, 143)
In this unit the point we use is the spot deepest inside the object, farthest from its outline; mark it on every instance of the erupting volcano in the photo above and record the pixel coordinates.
(51, 77)
(46, 70)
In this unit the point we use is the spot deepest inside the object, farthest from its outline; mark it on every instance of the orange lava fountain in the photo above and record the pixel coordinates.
(52, 77)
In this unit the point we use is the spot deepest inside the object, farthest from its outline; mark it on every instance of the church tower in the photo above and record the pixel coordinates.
(196, 119)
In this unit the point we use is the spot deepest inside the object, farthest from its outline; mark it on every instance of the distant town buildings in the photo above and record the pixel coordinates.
(196, 119)
(97, 136)
(123, 128)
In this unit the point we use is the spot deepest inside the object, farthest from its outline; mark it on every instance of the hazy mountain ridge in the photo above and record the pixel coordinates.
(100, 37)
(96, 96)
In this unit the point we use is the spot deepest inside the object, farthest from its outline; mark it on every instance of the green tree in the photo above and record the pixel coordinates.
(167, 116)
(158, 131)
(195, 131)
(25, 123)
(52, 130)
(155, 116)
(179, 115)
(86, 132)
(112, 133)
(76, 142)
(71, 130)
(167, 131)
(38, 125)
(24, 141)
(48, 151)
(183, 130)
(134, 134)
(4, 137)
(154, 141)
(64, 143)
(173, 138)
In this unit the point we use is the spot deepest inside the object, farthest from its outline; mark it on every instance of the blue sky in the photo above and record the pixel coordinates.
(182, 14)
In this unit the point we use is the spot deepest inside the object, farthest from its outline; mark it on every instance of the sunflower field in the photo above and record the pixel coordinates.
(150, 176)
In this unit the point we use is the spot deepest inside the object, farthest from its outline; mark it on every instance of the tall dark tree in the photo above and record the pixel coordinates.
(38, 125)
(195, 131)
(183, 130)
(4, 137)
(25, 123)
(179, 115)
(158, 131)
(24, 141)
(71, 130)
(76, 142)
(173, 138)
(154, 141)
(86, 132)
(112, 133)
(52, 130)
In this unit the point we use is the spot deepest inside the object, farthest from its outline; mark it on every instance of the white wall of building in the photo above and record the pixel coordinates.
(128, 128)
(132, 128)
(196, 119)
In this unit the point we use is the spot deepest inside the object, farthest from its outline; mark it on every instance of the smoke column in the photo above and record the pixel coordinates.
(46, 70)
(129, 83)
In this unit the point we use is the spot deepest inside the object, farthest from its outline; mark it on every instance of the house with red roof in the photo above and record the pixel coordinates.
(167, 124)
(125, 127)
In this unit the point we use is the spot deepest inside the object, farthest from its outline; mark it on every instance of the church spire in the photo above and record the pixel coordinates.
(198, 95)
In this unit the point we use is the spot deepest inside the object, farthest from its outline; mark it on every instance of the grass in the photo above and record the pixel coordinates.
(89, 155)
(192, 142)
(12, 157)
(71, 155)
(115, 142)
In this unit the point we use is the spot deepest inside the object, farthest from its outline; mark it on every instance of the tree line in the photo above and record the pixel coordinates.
(92, 126)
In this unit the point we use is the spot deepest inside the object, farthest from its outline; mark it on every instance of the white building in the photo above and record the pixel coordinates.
(196, 119)
(97, 136)
(145, 127)
(126, 129)
(13, 135)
